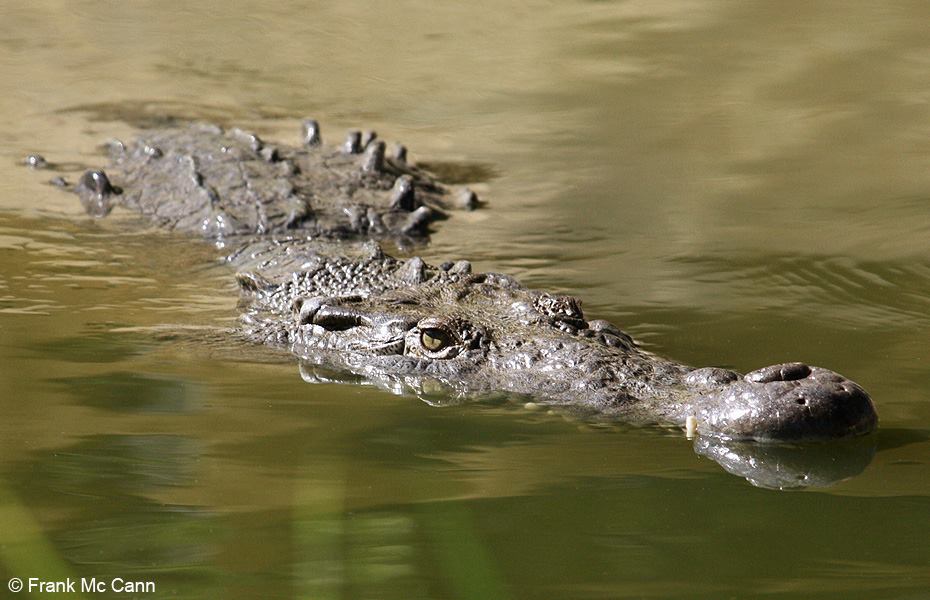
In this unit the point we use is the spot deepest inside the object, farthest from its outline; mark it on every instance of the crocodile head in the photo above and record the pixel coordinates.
(481, 333)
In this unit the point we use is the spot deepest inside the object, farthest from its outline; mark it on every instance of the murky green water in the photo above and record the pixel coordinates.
(736, 183)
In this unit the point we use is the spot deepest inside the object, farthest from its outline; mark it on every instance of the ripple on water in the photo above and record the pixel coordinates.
(844, 291)
(13, 242)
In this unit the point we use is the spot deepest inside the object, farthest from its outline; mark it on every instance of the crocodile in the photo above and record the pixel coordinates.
(416, 327)
(226, 183)
(304, 223)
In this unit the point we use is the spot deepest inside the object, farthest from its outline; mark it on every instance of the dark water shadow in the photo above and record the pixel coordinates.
(461, 172)
(148, 114)
(96, 345)
(125, 392)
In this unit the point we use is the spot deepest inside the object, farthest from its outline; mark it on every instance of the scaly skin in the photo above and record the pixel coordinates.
(413, 326)
(226, 183)
(410, 325)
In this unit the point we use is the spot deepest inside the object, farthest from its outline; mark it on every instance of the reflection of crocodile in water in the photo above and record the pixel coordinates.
(346, 306)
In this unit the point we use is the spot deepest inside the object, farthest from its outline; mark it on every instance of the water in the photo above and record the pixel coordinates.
(735, 183)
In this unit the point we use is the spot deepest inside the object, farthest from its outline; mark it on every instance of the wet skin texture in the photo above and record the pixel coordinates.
(220, 183)
(411, 326)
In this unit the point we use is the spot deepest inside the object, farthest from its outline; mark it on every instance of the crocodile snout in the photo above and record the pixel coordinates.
(791, 401)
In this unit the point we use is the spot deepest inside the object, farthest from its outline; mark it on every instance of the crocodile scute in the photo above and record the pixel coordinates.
(304, 223)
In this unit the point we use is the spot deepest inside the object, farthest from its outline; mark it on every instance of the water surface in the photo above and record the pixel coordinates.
(736, 184)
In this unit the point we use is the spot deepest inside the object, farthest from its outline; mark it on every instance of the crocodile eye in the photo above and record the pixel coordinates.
(434, 339)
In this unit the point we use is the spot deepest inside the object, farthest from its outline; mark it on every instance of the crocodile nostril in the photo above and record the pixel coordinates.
(783, 372)
(794, 371)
